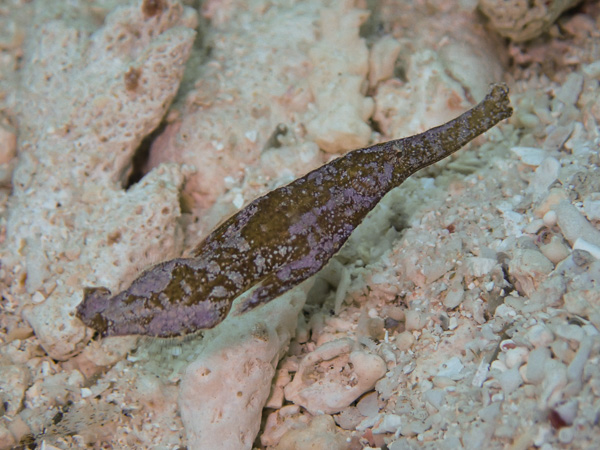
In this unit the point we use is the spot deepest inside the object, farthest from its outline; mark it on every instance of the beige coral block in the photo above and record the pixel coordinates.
(253, 80)
(333, 376)
(382, 59)
(225, 389)
(70, 223)
(529, 268)
(320, 433)
(521, 20)
(446, 61)
(337, 79)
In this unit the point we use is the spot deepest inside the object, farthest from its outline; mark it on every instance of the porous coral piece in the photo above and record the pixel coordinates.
(337, 80)
(445, 63)
(529, 268)
(320, 433)
(382, 59)
(574, 225)
(68, 208)
(333, 376)
(280, 422)
(14, 380)
(522, 20)
(235, 105)
(224, 390)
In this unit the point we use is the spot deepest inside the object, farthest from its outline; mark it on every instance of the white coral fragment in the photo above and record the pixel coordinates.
(333, 376)
(320, 433)
(382, 59)
(529, 268)
(84, 120)
(522, 20)
(225, 389)
(336, 82)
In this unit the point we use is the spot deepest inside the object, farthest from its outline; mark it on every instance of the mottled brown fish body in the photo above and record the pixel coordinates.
(280, 239)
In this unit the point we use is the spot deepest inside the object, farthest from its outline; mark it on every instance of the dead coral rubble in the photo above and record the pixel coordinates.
(70, 222)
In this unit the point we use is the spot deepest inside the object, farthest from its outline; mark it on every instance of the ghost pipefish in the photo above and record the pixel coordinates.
(279, 239)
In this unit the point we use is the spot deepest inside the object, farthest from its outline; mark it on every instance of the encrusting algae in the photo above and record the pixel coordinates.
(281, 238)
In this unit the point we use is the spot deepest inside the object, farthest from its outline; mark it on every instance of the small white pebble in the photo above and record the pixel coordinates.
(574, 225)
(452, 323)
(425, 385)
(443, 382)
(516, 356)
(568, 411)
(435, 397)
(86, 392)
(414, 320)
(555, 250)
(592, 70)
(505, 312)
(582, 244)
(534, 226)
(530, 155)
(528, 120)
(454, 297)
(413, 428)
(45, 369)
(550, 218)
(499, 366)
(238, 201)
(510, 380)
(451, 368)
(536, 363)
(566, 435)
(542, 436)
(570, 90)
(388, 355)
(368, 405)
(569, 332)
(539, 336)
(545, 174)
(480, 374)
(479, 266)
(487, 331)
(38, 297)
(490, 412)
(498, 397)
(555, 378)
(389, 424)
(251, 135)
(591, 206)
(404, 340)
(575, 369)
